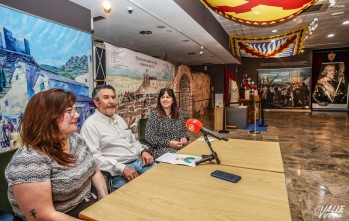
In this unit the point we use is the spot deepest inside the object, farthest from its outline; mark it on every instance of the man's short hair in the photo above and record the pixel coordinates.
(100, 87)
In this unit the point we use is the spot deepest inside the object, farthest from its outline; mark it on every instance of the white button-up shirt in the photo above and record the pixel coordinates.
(111, 142)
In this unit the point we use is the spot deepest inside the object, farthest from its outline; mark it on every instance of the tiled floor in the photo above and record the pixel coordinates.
(315, 153)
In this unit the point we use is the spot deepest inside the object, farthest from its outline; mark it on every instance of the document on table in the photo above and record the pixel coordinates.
(182, 159)
(203, 139)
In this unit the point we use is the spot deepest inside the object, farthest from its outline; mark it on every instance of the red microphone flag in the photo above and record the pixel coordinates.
(193, 125)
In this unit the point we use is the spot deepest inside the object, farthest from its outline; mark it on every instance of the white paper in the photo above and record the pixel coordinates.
(203, 139)
(182, 159)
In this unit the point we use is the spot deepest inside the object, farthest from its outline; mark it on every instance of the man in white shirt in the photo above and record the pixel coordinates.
(111, 142)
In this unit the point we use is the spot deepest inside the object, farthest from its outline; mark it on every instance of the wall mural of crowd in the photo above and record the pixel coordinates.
(287, 88)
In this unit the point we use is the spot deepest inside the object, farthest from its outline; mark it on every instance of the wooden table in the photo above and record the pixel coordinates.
(260, 155)
(175, 192)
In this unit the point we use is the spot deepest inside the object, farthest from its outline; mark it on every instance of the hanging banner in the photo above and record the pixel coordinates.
(258, 12)
(137, 79)
(130, 71)
(276, 46)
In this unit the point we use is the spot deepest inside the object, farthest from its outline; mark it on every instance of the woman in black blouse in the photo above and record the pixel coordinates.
(165, 129)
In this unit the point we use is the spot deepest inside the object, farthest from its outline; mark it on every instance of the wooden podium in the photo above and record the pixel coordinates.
(218, 118)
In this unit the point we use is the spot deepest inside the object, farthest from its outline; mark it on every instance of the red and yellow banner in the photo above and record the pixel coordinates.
(284, 45)
(258, 12)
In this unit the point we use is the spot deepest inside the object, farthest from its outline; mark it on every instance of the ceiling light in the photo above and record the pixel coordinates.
(202, 50)
(107, 6)
(337, 13)
(330, 35)
(274, 31)
(346, 22)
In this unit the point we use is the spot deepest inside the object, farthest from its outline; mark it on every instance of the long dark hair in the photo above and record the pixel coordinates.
(39, 126)
(174, 107)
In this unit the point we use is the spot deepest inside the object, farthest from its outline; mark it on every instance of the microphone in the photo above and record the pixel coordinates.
(195, 126)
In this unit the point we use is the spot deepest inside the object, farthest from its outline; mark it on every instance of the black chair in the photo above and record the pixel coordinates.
(5, 207)
(142, 124)
(108, 179)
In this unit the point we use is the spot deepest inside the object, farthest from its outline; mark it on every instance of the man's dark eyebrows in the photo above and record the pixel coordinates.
(108, 96)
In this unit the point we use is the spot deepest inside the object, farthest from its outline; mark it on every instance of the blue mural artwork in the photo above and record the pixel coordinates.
(36, 55)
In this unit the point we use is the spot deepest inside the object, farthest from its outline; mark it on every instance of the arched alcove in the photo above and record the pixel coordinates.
(183, 88)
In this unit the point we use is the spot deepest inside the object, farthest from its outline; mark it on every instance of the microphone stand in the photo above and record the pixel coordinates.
(212, 156)
(262, 107)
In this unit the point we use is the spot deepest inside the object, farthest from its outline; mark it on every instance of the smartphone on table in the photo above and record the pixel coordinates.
(226, 176)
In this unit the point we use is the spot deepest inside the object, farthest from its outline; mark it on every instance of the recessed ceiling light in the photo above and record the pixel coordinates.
(274, 31)
(337, 13)
(330, 35)
(346, 22)
(169, 30)
(161, 26)
(107, 6)
(185, 40)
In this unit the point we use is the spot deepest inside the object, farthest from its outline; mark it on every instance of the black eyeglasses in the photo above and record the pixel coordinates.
(72, 111)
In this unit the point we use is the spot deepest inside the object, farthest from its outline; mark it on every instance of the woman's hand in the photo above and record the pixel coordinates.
(175, 144)
(184, 141)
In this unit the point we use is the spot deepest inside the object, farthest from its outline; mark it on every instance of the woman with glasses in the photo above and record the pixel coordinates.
(53, 176)
(165, 129)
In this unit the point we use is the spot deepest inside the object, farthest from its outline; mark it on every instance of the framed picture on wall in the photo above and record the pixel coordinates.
(286, 88)
(331, 89)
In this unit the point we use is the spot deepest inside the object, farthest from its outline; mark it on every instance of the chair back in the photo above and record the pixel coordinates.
(5, 158)
(108, 180)
(142, 124)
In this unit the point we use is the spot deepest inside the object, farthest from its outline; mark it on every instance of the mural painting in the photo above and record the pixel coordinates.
(287, 88)
(137, 79)
(37, 55)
